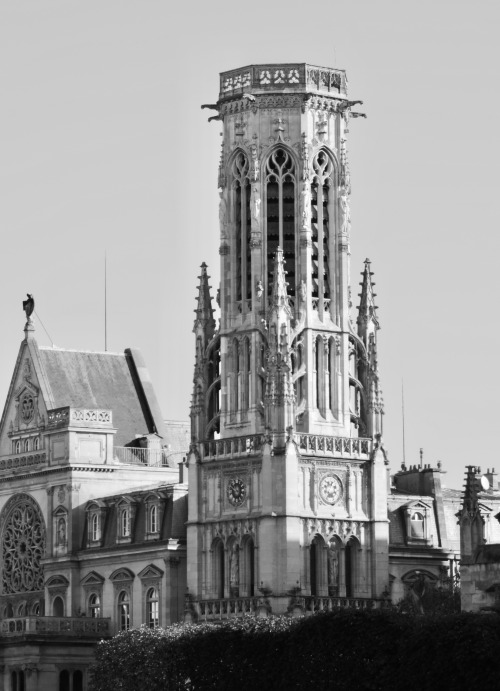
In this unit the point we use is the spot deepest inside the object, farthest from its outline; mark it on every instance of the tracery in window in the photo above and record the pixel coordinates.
(241, 195)
(280, 214)
(26, 445)
(23, 545)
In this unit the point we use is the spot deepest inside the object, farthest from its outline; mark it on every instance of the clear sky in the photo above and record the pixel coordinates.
(104, 148)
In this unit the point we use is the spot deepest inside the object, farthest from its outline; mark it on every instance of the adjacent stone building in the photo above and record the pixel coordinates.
(292, 508)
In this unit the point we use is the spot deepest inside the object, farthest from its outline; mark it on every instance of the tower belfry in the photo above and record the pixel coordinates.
(286, 400)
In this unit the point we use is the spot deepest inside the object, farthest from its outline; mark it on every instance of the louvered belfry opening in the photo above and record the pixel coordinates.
(280, 214)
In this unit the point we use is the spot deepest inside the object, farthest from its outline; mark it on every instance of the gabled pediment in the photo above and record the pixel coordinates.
(150, 571)
(417, 504)
(122, 574)
(57, 582)
(27, 400)
(94, 504)
(93, 578)
(126, 500)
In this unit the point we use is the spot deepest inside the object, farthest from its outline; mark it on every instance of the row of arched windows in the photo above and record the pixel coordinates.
(26, 445)
(233, 569)
(281, 212)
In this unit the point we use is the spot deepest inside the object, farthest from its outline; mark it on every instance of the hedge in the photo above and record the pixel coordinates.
(343, 650)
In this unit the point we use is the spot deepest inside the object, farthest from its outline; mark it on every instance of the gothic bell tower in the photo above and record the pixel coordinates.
(287, 471)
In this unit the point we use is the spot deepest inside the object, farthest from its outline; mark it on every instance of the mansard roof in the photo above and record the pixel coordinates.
(115, 381)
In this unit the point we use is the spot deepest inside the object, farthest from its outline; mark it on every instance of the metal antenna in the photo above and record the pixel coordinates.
(403, 413)
(105, 305)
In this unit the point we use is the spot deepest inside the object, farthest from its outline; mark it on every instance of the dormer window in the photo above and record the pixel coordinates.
(417, 525)
(96, 514)
(125, 518)
(154, 512)
(417, 522)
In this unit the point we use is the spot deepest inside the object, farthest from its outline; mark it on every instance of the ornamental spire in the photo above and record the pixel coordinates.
(279, 295)
(204, 311)
(367, 315)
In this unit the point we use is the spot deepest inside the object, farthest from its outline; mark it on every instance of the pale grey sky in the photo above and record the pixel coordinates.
(103, 147)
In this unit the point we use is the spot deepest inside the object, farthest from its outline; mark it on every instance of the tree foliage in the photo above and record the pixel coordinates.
(366, 650)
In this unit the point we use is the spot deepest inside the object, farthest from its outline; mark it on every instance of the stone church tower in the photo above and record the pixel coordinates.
(287, 473)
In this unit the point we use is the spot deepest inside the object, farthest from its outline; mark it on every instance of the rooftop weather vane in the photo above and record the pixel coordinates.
(29, 306)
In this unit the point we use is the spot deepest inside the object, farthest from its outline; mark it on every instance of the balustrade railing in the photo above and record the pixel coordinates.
(79, 417)
(334, 446)
(69, 626)
(235, 446)
(298, 76)
(221, 609)
(327, 604)
(318, 444)
(24, 460)
(153, 458)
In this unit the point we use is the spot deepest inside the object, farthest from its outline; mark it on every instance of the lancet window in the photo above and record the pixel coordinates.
(241, 376)
(280, 214)
(321, 212)
(214, 390)
(241, 200)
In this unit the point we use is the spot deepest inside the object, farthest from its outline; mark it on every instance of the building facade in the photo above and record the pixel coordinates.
(92, 512)
(291, 505)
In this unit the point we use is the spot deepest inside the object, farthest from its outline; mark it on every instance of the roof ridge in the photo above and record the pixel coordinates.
(75, 350)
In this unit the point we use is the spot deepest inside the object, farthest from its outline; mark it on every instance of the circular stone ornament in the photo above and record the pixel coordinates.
(236, 491)
(330, 489)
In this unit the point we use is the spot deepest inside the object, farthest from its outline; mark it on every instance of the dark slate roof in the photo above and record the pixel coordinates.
(98, 380)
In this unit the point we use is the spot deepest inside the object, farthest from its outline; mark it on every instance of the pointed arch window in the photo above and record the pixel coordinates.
(321, 211)
(242, 218)
(280, 214)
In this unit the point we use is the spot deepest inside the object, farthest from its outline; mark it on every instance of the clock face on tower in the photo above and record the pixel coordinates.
(236, 491)
(330, 489)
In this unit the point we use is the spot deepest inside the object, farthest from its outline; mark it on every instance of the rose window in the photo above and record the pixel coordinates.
(23, 546)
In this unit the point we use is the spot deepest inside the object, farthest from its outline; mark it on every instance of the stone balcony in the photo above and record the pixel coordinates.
(75, 627)
(308, 444)
(79, 417)
(295, 606)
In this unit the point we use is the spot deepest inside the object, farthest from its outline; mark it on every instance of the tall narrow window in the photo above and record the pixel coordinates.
(95, 606)
(26, 445)
(236, 376)
(95, 527)
(152, 608)
(214, 390)
(153, 519)
(242, 217)
(36, 443)
(280, 214)
(125, 522)
(124, 611)
(321, 205)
